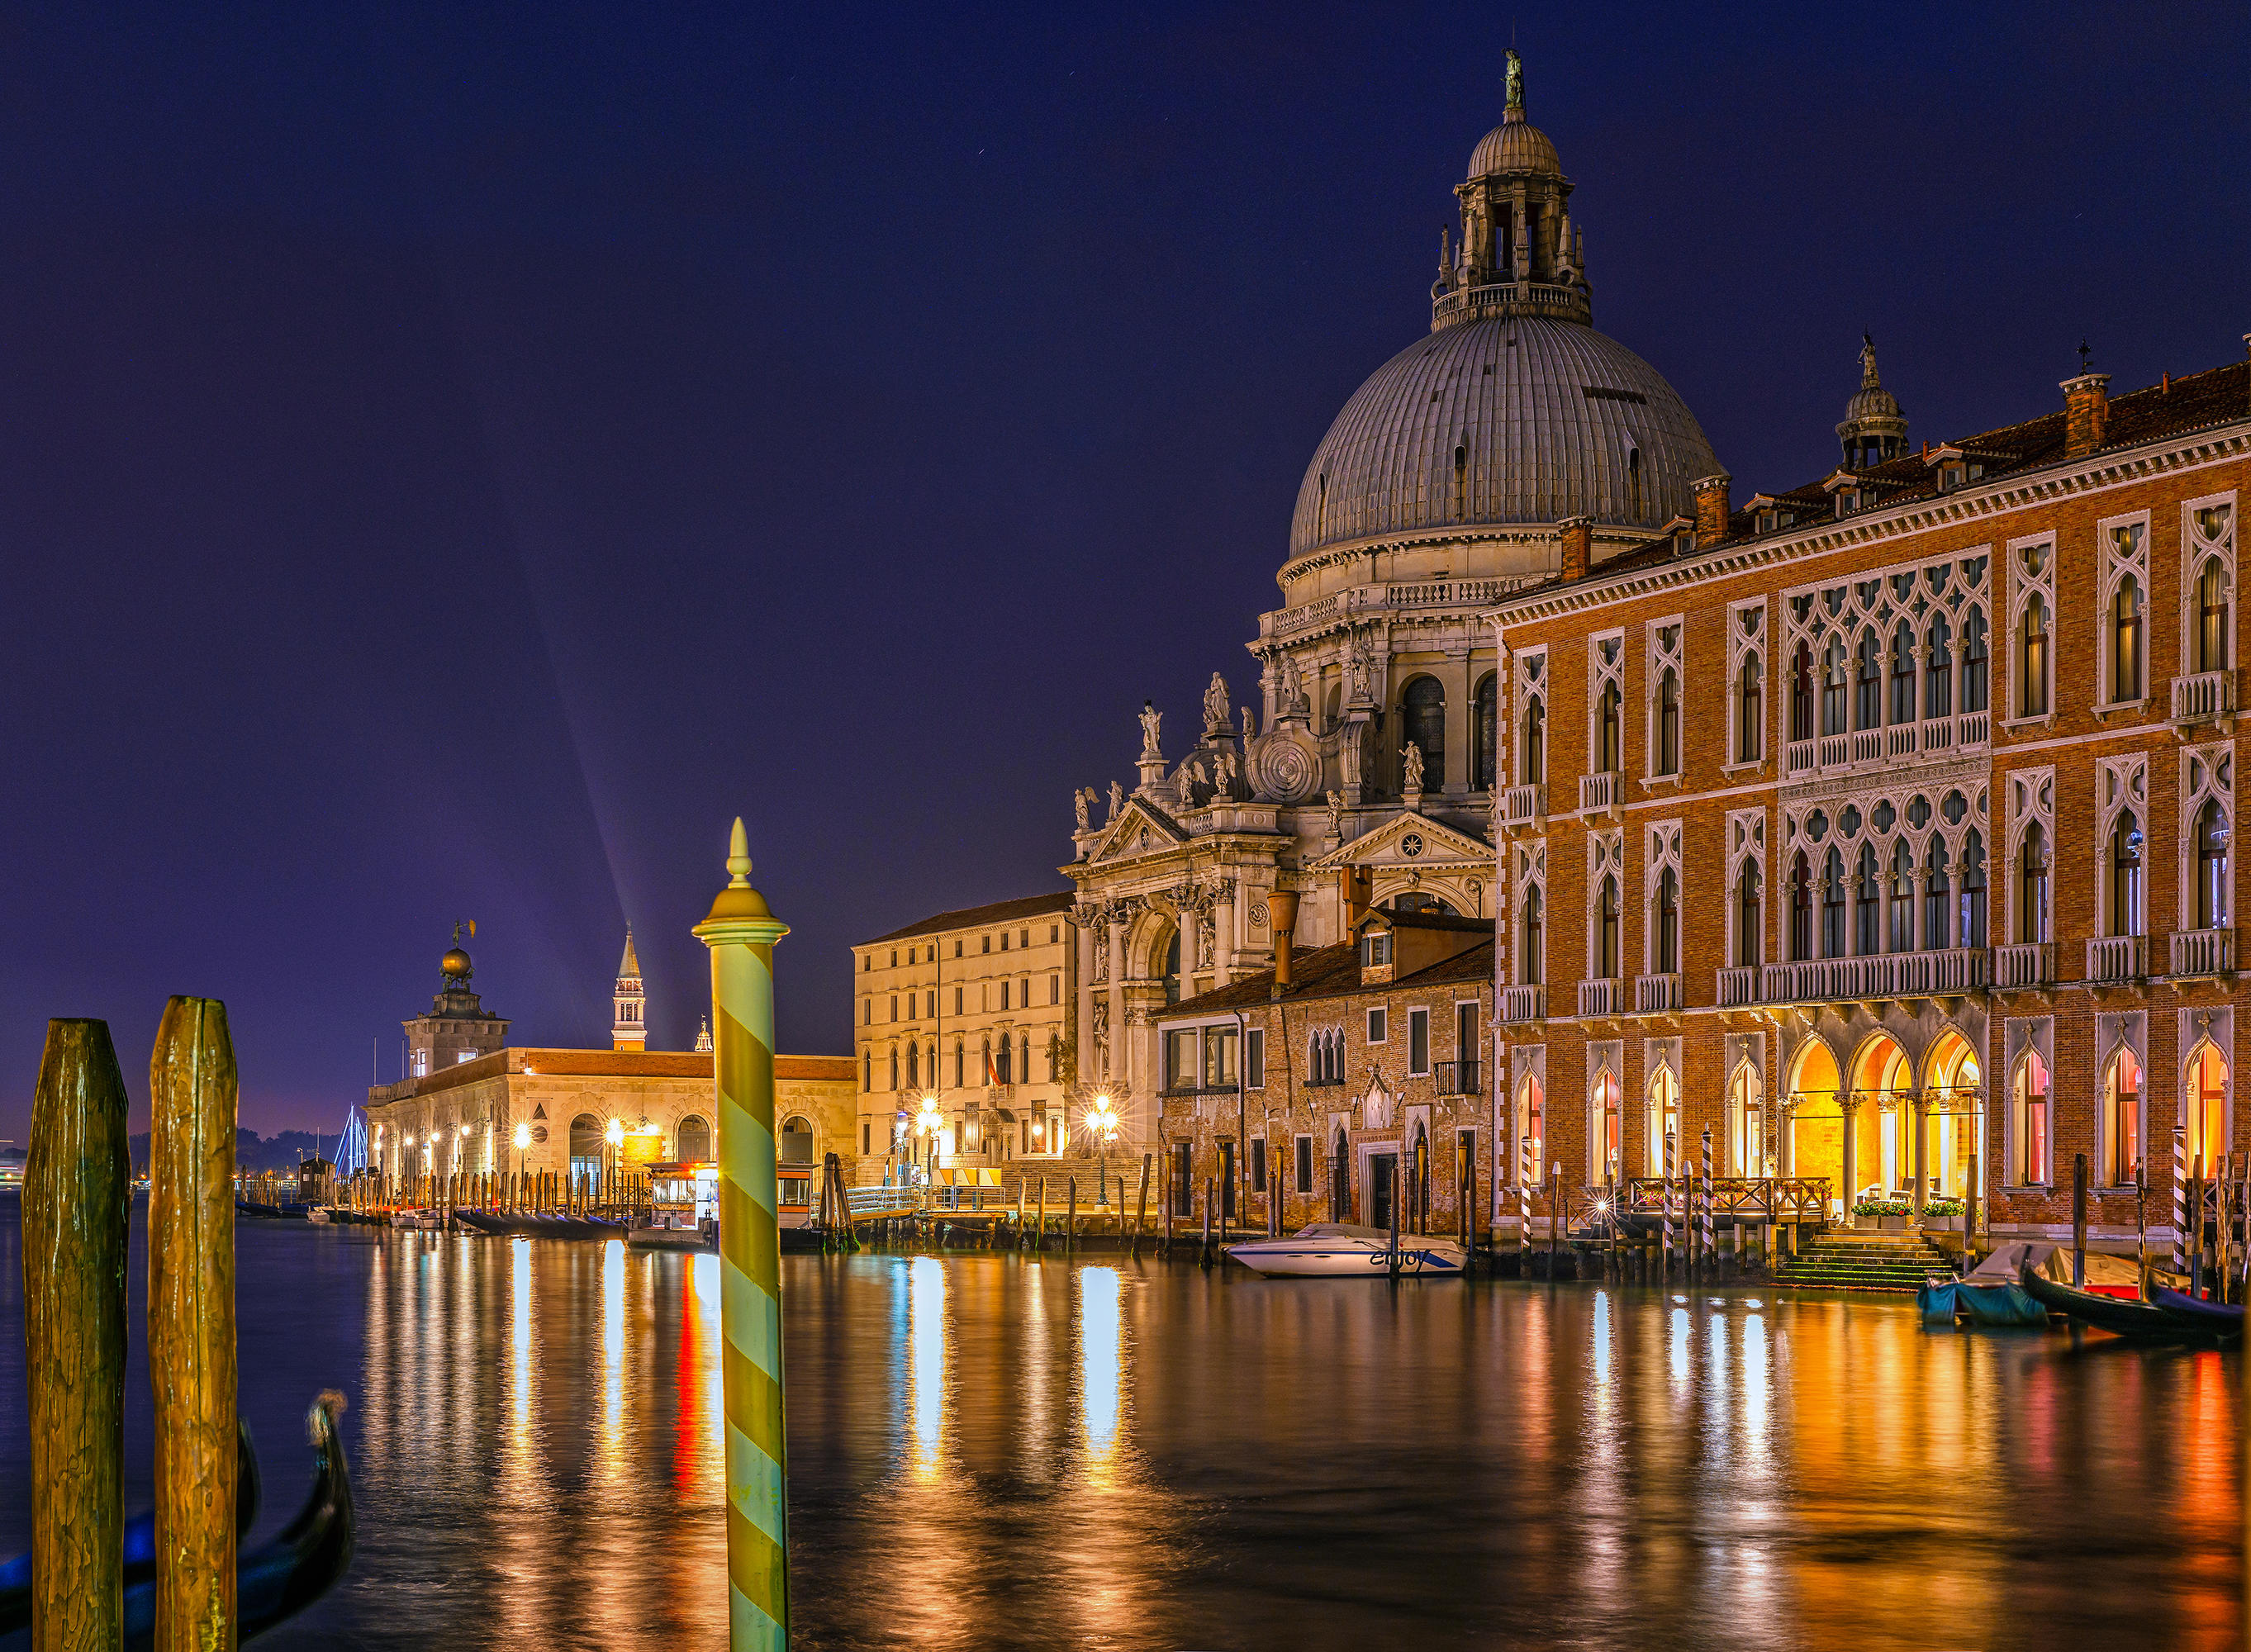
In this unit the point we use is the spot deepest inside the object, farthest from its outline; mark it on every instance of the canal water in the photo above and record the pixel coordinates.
(992, 1452)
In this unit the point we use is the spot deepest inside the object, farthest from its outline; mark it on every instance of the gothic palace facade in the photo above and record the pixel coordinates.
(1881, 827)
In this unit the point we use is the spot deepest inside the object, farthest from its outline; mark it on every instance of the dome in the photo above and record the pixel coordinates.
(1514, 146)
(1548, 417)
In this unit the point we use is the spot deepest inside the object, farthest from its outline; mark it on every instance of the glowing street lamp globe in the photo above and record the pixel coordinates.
(523, 1138)
(616, 1133)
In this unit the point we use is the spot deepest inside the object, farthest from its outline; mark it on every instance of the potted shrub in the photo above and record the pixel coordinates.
(1943, 1215)
(1887, 1215)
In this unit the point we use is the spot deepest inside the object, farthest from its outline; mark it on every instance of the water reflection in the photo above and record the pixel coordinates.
(994, 1451)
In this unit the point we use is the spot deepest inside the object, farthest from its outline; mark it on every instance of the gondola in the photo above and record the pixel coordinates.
(483, 1222)
(292, 1210)
(275, 1581)
(140, 1541)
(2124, 1315)
(2223, 1319)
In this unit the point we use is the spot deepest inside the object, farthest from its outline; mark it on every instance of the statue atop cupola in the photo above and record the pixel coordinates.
(1875, 426)
(1518, 254)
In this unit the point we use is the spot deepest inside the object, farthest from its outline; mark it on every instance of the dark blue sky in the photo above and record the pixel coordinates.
(455, 461)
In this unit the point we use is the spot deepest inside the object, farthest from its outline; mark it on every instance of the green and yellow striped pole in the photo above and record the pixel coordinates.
(741, 933)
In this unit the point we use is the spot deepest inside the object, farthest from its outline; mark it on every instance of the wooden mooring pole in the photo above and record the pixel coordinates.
(191, 1344)
(1204, 1259)
(78, 1198)
(2079, 1218)
(1070, 1216)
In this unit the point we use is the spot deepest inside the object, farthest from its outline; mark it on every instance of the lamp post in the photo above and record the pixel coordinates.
(615, 1136)
(928, 1123)
(523, 1145)
(1101, 1120)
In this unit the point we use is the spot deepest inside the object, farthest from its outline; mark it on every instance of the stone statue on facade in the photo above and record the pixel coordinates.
(1225, 780)
(1358, 671)
(1152, 719)
(1293, 684)
(1336, 814)
(1117, 802)
(1217, 708)
(1411, 764)
(1184, 784)
(1079, 803)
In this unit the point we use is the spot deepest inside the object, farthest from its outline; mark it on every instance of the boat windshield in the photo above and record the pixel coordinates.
(1342, 1230)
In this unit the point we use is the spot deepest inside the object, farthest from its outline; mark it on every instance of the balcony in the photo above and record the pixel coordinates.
(1523, 807)
(2117, 957)
(1738, 986)
(2206, 697)
(2203, 951)
(1879, 975)
(1867, 749)
(1601, 996)
(1601, 793)
(1523, 1004)
(1458, 1078)
(1653, 993)
(1336, 1083)
(2026, 964)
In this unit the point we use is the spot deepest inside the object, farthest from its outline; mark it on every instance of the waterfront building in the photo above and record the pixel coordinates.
(458, 1111)
(1372, 746)
(1881, 825)
(965, 1019)
(1359, 1076)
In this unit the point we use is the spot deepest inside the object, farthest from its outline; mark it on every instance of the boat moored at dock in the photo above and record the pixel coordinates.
(1342, 1250)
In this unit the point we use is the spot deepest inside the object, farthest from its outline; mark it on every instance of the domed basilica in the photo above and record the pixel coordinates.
(1472, 463)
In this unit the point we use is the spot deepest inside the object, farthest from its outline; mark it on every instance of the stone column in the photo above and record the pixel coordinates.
(1919, 1109)
(1459, 723)
(1848, 1105)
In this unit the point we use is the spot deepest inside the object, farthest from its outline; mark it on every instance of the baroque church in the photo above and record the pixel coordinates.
(1368, 763)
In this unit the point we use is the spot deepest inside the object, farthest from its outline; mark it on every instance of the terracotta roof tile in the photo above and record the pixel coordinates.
(996, 913)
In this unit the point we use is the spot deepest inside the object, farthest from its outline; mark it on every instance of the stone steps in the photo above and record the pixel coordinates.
(1864, 1261)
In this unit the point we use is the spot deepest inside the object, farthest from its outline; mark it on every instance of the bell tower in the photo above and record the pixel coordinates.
(629, 1031)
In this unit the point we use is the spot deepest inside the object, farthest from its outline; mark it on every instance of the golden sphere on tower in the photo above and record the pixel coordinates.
(456, 962)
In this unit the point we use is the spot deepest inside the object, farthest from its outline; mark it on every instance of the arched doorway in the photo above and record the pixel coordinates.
(1817, 1124)
(2204, 1104)
(1954, 1115)
(694, 1144)
(586, 1151)
(794, 1146)
(1883, 1130)
(1747, 1150)
(1172, 971)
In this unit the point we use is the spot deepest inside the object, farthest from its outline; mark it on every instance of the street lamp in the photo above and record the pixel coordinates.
(615, 1136)
(928, 1123)
(1103, 1120)
(523, 1145)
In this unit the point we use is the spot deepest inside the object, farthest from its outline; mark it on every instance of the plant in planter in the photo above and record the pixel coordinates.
(1890, 1215)
(1944, 1214)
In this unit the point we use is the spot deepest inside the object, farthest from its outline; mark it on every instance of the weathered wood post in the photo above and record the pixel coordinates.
(192, 1348)
(1070, 1216)
(78, 1200)
(1970, 1209)
(1397, 1191)
(1141, 1210)
(1040, 1238)
(2196, 1230)
(2079, 1218)
(741, 931)
(1203, 1258)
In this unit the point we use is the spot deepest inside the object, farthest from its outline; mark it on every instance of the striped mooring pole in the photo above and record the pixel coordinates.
(1711, 1255)
(1524, 1203)
(1670, 1146)
(2180, 1201)
(741, 932)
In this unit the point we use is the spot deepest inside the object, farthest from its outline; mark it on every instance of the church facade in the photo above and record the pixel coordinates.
(1370, 742)
(1880, 828)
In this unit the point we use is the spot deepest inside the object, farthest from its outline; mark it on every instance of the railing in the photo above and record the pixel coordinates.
(1342, 605)
(1655, 992)
(1602, 789)
(1601, 996)
(2203, 951)
(2205, 697)
(1458, 1078)
(1324, 1083)
(2117, 957)
(1738, 986)
(1524, 805)
(1643, 1200)
(1172, 1090)
(1869, 748)
(1464, 302)
(1523, 1004)
(2025, 963)
(1959, 969)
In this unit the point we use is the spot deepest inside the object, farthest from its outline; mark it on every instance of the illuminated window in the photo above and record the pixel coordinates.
(2121, 1119)
(2028, 1104)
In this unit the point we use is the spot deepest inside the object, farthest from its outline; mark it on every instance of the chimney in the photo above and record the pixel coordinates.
(1352, 888)
(1577, 533)
(1712, 509)
(2086, 412)
(1281, 917)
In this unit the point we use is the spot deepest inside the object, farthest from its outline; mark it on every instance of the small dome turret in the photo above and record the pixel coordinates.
(1875, 426)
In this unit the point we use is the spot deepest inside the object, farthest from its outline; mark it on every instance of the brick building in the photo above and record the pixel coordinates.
(1944, 745)
(1367, 1060)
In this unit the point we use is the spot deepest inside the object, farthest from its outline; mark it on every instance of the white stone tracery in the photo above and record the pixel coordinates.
(2207, 538)
(2031, 797)
(1665, 651)
(2207, 775)
(1929, 833)
(1530, 883)
(2032, 578)
(2120, 784)
(1746, 645)
(1660, 852)
(1887, 657)
(1531, 689)
(1746, 841)
(1606, 670)
(2124, 542)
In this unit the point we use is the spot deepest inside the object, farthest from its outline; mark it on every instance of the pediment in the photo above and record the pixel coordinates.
(1409, 841)
(1140, 828)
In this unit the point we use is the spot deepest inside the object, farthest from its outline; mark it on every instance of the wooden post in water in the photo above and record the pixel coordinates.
(1040, 1237)
(1141, 1209)
(1203, 1258)
(1070, 1217)
(78, 1200)
(191, 1346)
(741, 931)
(1704, 1233)
(2079, 1218)
(1524, 1208)
(2196, 1230)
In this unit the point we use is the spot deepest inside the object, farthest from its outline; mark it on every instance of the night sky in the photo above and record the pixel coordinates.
(455, 462)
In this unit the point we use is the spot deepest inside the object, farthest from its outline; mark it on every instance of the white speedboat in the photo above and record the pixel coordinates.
(1340, 1250)
(428, 1221)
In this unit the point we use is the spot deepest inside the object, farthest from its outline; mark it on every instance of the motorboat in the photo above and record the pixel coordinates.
(428, 1221)
(1341, 1250)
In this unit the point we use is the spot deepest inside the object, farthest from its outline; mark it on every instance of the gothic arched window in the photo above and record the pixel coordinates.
(1665, 956)
(1834, 687)
(1801, 694)
(1801, 909)
(2028, 1114)
(1606, 929)
(1902, 709)
(1972, 928)
(1937, 898)
(1868, 684)
(2212, 617)
(1747, 923)
(2032, 886)
(2124, 911)
(1668, 722)
(1535, 741)
(1422, 717)
(1607, 739)
(1532, 932)
(2126, 642)
(1748, 713)
(1484, 749)
(1973, 661)
(2032, 660)
(1903, 898)
(1938, 668)
(2211, 867)
(2121, 1119)
(914, 1067)
(1867, 903)
(1832, 906)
